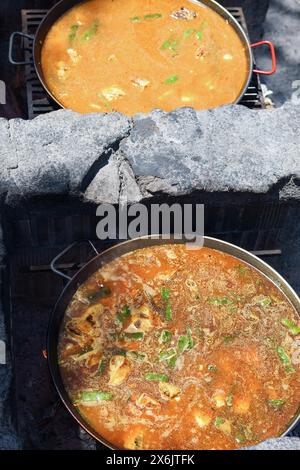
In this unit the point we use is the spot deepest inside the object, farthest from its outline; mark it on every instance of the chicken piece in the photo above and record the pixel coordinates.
(87, 324)
(141, 320)
(62, 70)
(202, 418)
(74, 56)
(225, 426)
(168, 391)
(145, 401)
(119, 369)
(134, 438)
(113, 93)
(140, 83)
(133, 410)
(241, 405)
(183, 14)
(219, 398)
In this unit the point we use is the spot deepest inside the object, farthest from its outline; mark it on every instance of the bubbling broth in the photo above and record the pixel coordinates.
(132, 56)
(167, 348)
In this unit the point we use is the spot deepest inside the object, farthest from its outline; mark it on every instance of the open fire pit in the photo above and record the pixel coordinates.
(240, 161)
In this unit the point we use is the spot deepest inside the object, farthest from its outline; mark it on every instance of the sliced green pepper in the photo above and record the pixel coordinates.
(103, 291)
(183, 344)
(124, 314)
(165, 337)
(167, 355)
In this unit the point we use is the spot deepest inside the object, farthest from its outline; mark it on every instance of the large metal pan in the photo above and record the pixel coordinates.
(64, 5)
(112, 253)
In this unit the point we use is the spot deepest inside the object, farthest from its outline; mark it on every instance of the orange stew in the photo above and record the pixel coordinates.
(166, 348)
(133, 56)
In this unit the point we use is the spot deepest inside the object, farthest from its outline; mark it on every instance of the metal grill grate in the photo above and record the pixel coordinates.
(38, 101)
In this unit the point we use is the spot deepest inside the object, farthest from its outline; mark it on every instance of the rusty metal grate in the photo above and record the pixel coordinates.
(38, 101)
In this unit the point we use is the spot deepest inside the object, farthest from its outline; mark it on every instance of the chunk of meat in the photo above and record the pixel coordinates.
(219, 398)
(141, 320)
(184, 14)
(202, 418)
(241, 405)
(119, 369)
(134, 438)
(145, 401)
(168, 391)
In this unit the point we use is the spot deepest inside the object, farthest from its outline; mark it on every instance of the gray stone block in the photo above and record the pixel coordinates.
(53, 153)
(226, 149)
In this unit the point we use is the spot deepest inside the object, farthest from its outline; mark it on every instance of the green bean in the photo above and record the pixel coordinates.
(219, 301)
(105, 102)
(73, 32)
(292, 327)
(136, 355)
(156, 377)
(165, 295)
(152, 16)
(190, 338)
(276, 403)
(229, 400)
(172, 79)
(171, 44)
(135, 19)
(284, 357)
(87, 36)
(167, 354)
(134, 336)
(188, 33)
(219, 421)
(228, 339)
(102, 366)
(265, 301)
(94, 396)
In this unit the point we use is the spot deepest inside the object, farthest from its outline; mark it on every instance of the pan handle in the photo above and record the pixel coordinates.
(11, 47)
(66, 250)
(273, 56)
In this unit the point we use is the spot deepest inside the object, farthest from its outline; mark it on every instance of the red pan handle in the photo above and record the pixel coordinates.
(273, 56)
